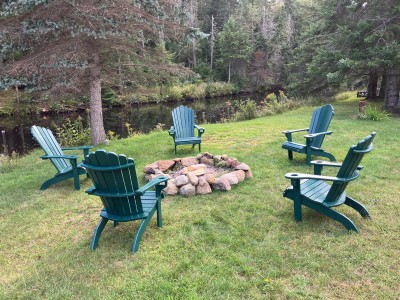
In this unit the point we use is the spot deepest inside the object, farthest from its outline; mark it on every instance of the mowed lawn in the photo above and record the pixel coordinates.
(241, 244)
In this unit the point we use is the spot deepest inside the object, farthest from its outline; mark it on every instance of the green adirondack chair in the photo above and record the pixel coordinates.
(183, 130)
(66, 165)
(320, 121)
(115, 182)
(313, 192)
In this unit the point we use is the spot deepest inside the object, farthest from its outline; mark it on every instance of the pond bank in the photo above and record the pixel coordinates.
(142, 118)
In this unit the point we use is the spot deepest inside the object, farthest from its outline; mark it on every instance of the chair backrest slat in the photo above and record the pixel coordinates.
(349, 166)
(114, 180)
(320, 121)
(183, 119)
(50, 146)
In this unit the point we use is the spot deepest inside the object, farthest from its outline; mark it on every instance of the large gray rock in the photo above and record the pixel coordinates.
(207, 161)
(187, 161)
(181, 180)
(150, 168)
(242, 166)
(194, 180)
(231, 177)
(171, 188)
(234, 162)
(187, 190)
(248, 174)
(210, 178)
(203, 187)
(222, 184)
(165, 165)
(240, 174)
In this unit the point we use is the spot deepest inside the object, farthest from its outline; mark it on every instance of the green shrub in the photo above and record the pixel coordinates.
(373, 114)
(73, 133)
(109, 96)
(246, 111)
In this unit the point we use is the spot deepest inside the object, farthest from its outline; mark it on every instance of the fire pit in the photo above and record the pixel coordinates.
(199, 175)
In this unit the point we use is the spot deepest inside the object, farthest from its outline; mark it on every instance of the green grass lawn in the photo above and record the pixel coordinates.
(241, 244)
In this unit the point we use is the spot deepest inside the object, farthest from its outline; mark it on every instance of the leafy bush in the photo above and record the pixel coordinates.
(246, 110)
(373, 114)
(109, 96)
(214, 89)
(73, 133)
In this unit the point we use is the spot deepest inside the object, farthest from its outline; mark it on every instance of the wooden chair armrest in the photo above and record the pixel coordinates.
(202, 129)
(171, 131)
(77, 148)
(313, 135)
(60, 156)
(154, 182)
(295, 130)
(299, 176)
(319, 164)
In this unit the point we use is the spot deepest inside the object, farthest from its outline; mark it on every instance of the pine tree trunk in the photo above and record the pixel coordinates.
(372, 85)
(383, 86)
(392, 99)
(212, 43)
(96, 112)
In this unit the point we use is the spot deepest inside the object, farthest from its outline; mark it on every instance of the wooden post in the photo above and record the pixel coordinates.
(3, 134)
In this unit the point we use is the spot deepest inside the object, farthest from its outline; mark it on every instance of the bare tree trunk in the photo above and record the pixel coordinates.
(383, 86)
(212, 41)
(229, 73)
(392, 98)
(372, 84)
(96, 111)
(17, 94)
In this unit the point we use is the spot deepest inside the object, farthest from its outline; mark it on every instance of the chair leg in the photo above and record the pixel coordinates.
(97, 233)
(333, 214)
(141, 229)
(159, 214)
(175, 150)
(116, 223)
(199, 147)
(358, 207)
(77, 184)
(290, 154)
(308, 154)
(193, 145)
(297, 210)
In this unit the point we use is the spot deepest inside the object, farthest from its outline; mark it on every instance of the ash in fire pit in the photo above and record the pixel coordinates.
(199, 175)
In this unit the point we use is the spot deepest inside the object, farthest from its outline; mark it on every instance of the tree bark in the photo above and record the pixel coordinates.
(392, 98)
(229, 73)
(96, 111)
(372, 84)
(383, 86)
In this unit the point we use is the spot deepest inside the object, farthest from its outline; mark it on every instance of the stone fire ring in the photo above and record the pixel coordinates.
(199, 175)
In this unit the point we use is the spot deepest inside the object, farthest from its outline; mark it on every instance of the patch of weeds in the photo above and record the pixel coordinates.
(7, 162)
(246, 111)
(373, 114)
(112, 136)
(130, 130)
(73, 133)
(159, 127)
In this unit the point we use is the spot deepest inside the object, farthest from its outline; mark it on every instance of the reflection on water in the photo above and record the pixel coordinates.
(144, 118)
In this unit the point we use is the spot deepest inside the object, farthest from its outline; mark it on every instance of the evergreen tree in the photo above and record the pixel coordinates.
(63, 45)
(233, 47)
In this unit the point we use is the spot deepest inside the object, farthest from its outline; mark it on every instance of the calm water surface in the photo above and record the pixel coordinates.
(15, 130)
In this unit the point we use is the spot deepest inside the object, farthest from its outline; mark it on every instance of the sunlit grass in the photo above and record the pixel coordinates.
(219, 246)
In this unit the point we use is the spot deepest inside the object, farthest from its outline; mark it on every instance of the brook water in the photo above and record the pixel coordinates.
(16, 136)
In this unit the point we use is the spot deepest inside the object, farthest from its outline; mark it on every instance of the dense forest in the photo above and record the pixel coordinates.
(54, 47)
